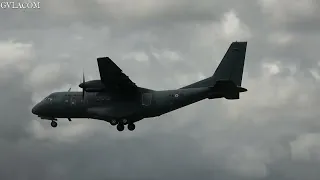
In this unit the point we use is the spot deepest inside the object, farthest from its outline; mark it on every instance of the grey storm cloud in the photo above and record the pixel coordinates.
(272, 132)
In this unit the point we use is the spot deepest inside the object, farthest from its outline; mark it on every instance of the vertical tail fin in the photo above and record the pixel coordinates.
(228, 76)
(231, 66)
(230, 69)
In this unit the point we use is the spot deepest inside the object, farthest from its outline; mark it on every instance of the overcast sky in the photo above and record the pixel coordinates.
(271, 133)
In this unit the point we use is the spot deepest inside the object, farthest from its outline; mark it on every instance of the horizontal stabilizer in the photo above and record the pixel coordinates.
(227, 89)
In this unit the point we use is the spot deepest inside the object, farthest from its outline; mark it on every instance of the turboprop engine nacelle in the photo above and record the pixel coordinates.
(92, 86)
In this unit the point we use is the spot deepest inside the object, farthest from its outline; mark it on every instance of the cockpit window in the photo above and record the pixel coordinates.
(50, 97)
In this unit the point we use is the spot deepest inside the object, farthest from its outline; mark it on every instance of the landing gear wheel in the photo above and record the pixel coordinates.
(120, 127)
(54, 124)
(131, 127)
(113, 122)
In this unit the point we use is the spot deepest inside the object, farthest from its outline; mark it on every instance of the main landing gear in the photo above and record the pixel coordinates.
(120, 125)
(113, 122)
(131, 127)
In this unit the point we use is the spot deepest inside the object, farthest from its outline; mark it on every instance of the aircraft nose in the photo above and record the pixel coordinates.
(35, 109)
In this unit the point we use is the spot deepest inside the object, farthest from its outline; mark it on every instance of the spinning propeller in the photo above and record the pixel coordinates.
(83, 82)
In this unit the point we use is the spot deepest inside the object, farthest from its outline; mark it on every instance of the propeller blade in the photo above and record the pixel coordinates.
(83, 78)
(69, 89)
(83, 81)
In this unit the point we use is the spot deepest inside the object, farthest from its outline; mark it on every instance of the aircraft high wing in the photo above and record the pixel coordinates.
(113, 78)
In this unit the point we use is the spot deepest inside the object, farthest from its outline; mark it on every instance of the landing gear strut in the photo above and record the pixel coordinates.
(54, 124)
(131, 126)
(124, 121)
(120, 127)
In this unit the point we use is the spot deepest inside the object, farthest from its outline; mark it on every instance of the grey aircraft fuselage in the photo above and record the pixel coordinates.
(116, 99)
(107, 106)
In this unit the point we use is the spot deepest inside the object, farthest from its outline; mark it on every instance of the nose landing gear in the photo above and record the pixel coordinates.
(54, 124)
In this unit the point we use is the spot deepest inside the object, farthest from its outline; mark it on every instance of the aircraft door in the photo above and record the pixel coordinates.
(146, 99)
(73, 100)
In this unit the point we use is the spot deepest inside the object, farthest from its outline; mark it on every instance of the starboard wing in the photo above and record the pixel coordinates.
(113, 77)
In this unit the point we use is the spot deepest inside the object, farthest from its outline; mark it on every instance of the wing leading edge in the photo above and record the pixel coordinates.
(113, 77)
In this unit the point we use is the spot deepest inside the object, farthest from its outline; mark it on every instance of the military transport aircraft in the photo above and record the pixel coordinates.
(114, 98)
